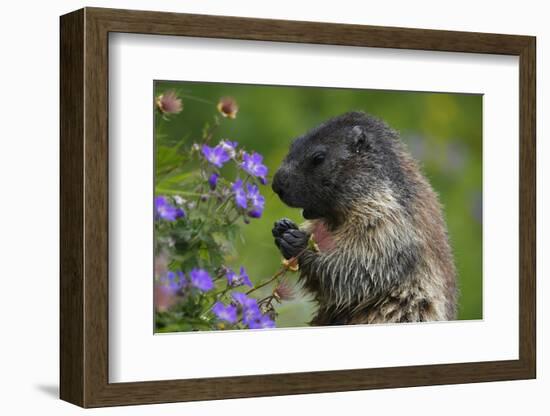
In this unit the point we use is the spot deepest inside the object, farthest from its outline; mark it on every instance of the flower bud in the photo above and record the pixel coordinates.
(227, 106)
(283, 291)
(213, 181)
(168, 103)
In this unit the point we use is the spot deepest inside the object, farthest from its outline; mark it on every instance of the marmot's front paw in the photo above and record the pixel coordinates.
(292, 242)
(284, 224)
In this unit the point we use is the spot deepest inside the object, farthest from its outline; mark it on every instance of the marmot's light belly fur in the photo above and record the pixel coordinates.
(384, 252)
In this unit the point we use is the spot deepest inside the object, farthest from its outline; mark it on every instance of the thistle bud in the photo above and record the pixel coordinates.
(283, 291)
(168, 103)
(227, 106)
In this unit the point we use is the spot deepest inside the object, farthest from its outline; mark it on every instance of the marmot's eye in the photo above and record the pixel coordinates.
(318, 158)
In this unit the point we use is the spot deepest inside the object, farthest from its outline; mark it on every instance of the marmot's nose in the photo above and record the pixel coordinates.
(280, 182)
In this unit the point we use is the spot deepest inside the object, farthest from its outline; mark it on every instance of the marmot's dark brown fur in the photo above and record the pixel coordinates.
(384, 254)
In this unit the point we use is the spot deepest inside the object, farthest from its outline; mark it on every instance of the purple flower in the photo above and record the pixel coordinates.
(229, 147)
(225, 313)
(243, 300)
(213, 180)
(251, 197)
(166, 211)
(201, 280)
(240, 195)
(215, 155)
(249, 306)
(241, 279)
(174, 281)
(261, 322)
(252, 164)
(251, 314)
(257, 201)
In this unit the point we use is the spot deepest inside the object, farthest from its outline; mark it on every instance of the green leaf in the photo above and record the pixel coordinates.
(168, 158)
(175, 180)
(204, 253)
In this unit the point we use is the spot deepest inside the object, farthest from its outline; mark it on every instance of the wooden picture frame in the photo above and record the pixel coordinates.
(84, 207)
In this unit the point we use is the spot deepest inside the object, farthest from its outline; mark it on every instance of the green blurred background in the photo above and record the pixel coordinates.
(443, 131)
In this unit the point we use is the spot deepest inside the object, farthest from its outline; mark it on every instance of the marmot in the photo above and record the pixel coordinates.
(383, 251)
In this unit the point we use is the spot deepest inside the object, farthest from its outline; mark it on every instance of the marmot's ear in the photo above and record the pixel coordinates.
(359, 137)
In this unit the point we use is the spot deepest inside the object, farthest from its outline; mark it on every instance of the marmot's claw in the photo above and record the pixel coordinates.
(291, 243)
(294, 237)
(286, 249)
(284, 224)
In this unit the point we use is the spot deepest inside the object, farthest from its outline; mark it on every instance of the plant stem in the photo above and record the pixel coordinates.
(223, 203)
(175, 192)
(274, 277)
(212, 129)
(267, 299)
(239, 215)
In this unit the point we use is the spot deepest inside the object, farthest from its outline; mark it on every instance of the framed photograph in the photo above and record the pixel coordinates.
(257, 207)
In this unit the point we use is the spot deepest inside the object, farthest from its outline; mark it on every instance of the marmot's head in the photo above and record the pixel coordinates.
(340, 164)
